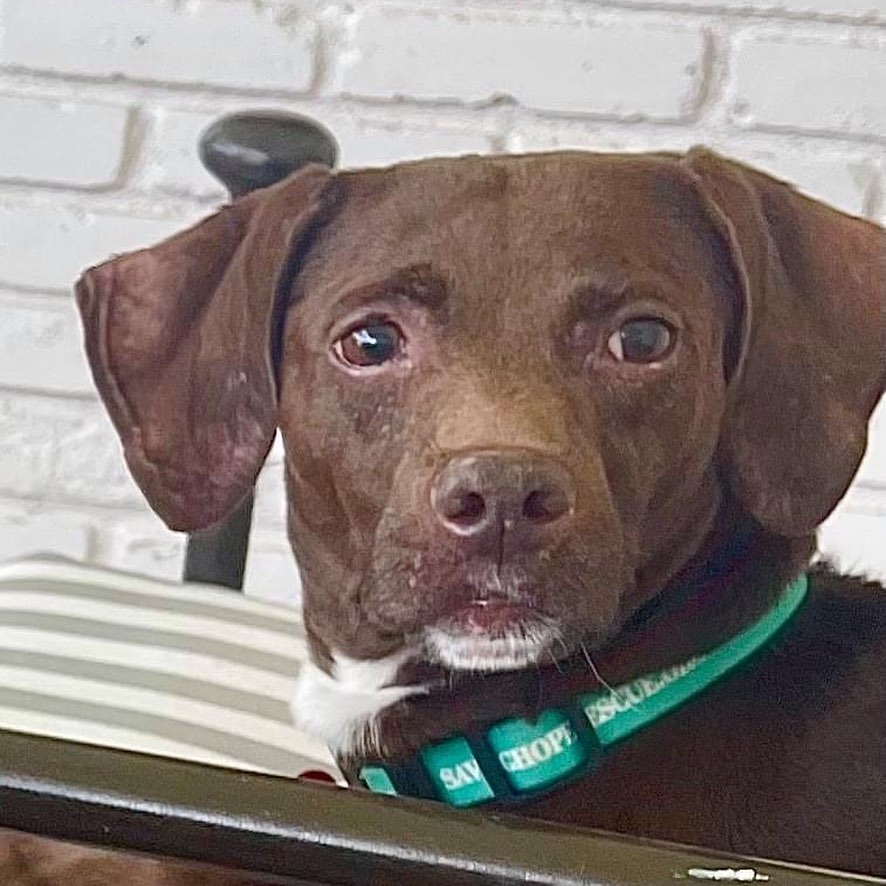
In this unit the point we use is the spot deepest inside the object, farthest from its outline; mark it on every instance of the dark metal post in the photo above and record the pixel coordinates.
(247, 151)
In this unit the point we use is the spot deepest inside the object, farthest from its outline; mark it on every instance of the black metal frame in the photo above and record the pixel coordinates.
(218, 555)
(246, 151)
(295, 832)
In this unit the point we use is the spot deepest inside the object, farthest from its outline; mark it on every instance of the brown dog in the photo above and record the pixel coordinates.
(549, 420)
(32, 861)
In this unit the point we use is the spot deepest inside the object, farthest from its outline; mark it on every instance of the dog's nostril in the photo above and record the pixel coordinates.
(545, 505)
(484, 495)
(465, 509)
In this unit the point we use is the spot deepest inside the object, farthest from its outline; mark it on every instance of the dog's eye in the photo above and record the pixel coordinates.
(370, 345)
(641, 341)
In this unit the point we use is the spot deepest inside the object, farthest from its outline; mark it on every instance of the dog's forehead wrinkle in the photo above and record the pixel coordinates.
(418, 282)
(455, 211)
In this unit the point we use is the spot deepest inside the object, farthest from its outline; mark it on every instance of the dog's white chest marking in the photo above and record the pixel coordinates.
(342, 707)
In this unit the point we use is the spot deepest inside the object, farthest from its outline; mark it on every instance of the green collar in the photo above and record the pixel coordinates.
(516, 759)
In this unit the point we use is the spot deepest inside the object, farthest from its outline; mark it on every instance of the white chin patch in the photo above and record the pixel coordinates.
(343, 707)
(475, 651)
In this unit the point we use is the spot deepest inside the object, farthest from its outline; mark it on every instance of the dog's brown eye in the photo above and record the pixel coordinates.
(370, 345)
(641, 341)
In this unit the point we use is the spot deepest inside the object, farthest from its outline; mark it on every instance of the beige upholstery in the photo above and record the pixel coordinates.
(187, 671)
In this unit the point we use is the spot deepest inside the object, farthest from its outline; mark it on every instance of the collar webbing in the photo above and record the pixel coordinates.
(515, 759)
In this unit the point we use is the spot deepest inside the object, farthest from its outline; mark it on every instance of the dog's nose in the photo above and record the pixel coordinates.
(488, 493)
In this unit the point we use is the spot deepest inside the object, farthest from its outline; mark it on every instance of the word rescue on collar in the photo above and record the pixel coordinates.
(516, 759)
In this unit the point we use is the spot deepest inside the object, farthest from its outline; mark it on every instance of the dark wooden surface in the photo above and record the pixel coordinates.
(295, 831)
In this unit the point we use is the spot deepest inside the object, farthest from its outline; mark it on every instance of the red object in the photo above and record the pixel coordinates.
(316, 775)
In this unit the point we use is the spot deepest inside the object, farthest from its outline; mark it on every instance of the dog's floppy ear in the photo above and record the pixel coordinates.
(813, 362)
(179, 337)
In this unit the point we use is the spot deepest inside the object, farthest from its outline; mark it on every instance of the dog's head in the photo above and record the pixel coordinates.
(514, 392)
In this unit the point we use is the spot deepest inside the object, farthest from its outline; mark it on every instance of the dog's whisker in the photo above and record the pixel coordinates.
(596, 672)
(555, 662)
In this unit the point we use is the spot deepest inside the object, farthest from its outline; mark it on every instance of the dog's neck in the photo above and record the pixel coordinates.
(391, 707)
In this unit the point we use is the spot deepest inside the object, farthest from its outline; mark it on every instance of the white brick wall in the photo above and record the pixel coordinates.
(622, 68)
(811, 84)
(102, 101)
(61, 145)
(229, 44)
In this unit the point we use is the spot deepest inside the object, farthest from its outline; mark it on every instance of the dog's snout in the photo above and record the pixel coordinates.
(486, 494)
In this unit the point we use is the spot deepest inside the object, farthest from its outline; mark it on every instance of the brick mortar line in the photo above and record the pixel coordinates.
(60, 88)
(466, 117)
(129, 204)
(263, 534)
(36, 290)
(875, 199)
(745, 13)
(136, 137)
(387, 114)
(41, 298)
(14, 71)
(736, 9)
(872, 140)
(16, 393)
(63, 503)
(613, 10)
(82, 400)
(13, 506)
